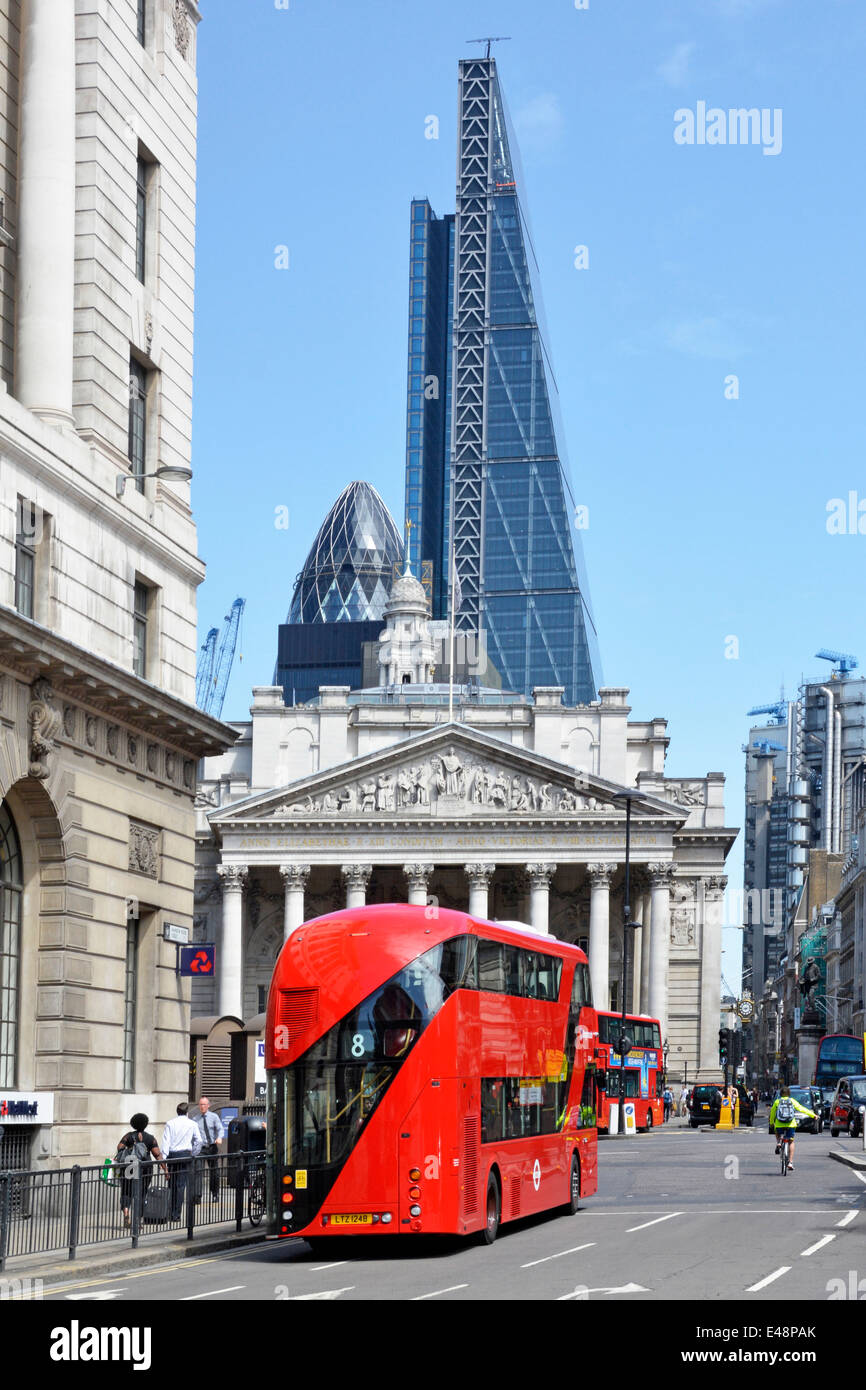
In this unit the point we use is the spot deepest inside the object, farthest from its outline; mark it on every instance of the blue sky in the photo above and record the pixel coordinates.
(707, 515)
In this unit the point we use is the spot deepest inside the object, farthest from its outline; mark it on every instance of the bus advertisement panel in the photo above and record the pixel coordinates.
(427, 1073)
(643, 1068)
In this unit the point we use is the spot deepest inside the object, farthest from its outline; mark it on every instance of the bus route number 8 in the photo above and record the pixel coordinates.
(359, 1047)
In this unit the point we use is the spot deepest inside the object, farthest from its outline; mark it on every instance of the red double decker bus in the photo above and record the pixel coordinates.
(643, 1068)
(427, 1074)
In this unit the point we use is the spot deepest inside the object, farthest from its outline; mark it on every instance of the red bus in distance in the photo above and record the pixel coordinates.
(643, 1068)
(428, 1072)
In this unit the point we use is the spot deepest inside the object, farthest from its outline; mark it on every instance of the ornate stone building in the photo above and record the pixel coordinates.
(508, 810)
(99, 734)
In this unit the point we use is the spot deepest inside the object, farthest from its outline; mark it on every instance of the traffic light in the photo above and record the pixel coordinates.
(736, 1049)
(723, 1046)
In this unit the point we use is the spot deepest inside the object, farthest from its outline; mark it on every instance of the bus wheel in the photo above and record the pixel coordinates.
(649, 1120)
(494, 1210)
(574, 1187)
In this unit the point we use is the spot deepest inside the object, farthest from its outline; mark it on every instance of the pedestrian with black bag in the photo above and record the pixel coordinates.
(133, 1159)
(211, 1133)
(180, 1142)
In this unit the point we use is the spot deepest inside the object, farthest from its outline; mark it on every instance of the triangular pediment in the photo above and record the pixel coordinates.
(450, 772)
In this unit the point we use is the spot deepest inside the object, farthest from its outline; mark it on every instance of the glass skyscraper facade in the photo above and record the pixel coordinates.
(483, 436)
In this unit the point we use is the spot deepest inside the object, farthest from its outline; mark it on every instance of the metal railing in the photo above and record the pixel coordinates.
(67, 1208)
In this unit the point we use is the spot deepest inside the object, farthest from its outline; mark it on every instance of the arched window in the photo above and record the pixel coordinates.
(10, 931)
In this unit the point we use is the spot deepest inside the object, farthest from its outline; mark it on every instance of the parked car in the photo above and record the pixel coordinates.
(807, 1097)
(845, 1106)
(705, 1106)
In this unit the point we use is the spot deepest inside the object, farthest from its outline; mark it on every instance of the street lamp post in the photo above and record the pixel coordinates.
(628, 797)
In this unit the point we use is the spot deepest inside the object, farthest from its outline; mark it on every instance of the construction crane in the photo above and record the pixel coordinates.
(215, 666)
(843, 660)
(779, 711)
(765, 745)
(204, 674)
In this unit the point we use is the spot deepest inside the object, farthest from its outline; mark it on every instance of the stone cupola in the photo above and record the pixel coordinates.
(406, 648)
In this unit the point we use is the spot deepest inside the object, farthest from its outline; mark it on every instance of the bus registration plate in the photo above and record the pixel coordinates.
(353, 1219)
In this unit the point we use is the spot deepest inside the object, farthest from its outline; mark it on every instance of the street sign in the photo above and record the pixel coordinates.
(174, 932)
(198, 961)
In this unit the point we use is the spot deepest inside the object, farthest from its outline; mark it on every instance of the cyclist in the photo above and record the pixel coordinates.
(783, 1121)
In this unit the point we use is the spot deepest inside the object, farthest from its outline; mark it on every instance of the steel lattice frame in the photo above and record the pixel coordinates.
(471, 292)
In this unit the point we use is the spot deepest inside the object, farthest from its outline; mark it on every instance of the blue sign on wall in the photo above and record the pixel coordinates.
(197, 961)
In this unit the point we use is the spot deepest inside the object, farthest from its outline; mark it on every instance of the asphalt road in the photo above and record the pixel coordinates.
(680, 1214)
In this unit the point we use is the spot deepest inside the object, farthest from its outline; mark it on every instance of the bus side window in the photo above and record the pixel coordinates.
(512, 970)
(491, 967)
(587, 985)
(458, 968)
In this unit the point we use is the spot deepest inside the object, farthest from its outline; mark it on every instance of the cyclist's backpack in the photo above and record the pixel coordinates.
(785, 1110)
(137, 1153)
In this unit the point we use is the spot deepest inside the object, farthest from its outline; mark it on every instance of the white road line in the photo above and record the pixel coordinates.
(315, 1268)
(669, 1217)
(211, 1293)
(762, 1284)
(825, 1240)
(861, 1176)
(558, 1255)
(436, 1292)
(846, 1220)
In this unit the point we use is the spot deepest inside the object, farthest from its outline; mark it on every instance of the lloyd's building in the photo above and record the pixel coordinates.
(505, 802)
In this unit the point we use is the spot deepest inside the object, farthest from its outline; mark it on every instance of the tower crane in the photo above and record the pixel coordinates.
(216, 664)
(204, 674)
(843, 660)
(778, 711)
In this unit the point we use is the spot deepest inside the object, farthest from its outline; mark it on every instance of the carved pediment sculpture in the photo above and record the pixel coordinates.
(449, 783)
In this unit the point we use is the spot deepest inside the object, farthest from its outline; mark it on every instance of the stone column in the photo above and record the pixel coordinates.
(294, 878)
(479, 876)
(416, 876)
(636, 944)
(712, 894)
(230, 958)
(660, 936)
(646, 934)
(539, 876)
(45, 233)
(357, 877)
(600, 876)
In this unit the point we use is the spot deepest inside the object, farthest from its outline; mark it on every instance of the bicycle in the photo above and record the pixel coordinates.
(785, 1145)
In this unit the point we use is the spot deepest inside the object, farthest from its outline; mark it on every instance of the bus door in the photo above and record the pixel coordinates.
(431, 1143)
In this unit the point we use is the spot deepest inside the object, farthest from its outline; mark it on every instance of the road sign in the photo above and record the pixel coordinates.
(174, 932)
(197, 961)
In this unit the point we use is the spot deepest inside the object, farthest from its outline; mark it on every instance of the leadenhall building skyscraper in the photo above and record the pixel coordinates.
(484, 444)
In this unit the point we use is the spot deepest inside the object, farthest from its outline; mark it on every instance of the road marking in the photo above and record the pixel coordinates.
(846, 1220)
(211, 1293)
(558, 1256)
(329, 1293)
(825, 1240)
(861, 1176)
(669, 1217)
(161, 1269)
(582, 1292)
(436, 1292)
(315, 1268)
(762, 1284)
(97, 1294)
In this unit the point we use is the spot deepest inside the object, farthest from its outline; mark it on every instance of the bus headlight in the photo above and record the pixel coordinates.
(415, 1211)
(386, 1218)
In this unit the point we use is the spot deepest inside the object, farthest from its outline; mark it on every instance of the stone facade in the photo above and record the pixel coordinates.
(509, 810)
(99, 736)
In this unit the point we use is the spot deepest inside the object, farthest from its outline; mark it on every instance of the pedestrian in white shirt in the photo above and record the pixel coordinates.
(180, 1144)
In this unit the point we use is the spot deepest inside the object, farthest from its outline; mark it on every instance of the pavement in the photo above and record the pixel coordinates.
(114, 1258)
(680, 1214)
